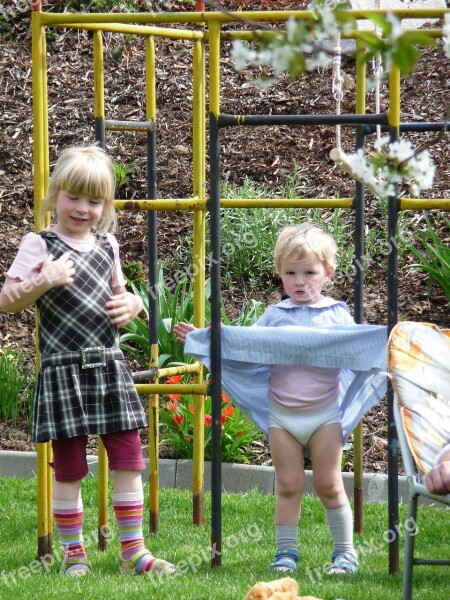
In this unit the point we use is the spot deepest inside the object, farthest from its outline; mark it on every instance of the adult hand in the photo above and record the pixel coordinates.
(437, 480)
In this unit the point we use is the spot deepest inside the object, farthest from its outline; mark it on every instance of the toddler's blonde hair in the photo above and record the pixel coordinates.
(303, 242)
(88, 171)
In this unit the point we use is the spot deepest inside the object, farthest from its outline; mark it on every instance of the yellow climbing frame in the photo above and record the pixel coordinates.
(208, 32)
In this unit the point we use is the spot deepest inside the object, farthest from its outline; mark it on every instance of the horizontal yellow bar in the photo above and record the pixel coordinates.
(196, 204)
(169, 371)
(183, 17)
(252, 35)
(171, 204)
(175, 34)
(291, 203)
(167, 388)
(424, 203)
(52, 19)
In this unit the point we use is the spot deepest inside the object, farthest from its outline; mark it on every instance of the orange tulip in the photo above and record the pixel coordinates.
(172, 405)
(177, 419)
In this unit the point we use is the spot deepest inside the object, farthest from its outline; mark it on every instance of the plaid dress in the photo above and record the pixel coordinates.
(74, 395)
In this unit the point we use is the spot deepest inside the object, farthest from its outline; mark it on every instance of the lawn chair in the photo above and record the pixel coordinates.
(419, 366)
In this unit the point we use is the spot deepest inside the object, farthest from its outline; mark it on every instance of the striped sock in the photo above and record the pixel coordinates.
(129, 511)
(68, 516)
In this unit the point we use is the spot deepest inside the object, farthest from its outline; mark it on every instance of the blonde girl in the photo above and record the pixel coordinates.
(71, 270)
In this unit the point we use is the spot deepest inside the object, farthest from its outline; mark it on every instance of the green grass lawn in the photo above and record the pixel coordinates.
(247, 544)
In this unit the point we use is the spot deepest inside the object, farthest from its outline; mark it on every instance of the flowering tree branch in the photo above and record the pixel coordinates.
(302, 47)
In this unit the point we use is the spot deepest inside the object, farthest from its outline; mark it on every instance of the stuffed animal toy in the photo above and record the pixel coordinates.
(280, 589)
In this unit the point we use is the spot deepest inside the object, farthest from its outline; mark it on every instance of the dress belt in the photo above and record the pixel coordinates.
(88, 358)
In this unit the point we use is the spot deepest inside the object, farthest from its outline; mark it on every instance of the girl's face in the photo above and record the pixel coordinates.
(77, 214)
(303, 281)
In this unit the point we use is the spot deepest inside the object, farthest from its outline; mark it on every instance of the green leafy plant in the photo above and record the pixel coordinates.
(248, 234)
(121, 175)
(435, 257)
(177, 413)
(16, 387)
(134, 272)
(175, 301)
(175, 298)
(177, 416)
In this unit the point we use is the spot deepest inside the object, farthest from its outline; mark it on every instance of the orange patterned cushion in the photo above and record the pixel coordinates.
(419, 365)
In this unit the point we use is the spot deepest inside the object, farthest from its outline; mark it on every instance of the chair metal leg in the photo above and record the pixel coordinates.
(408, 558)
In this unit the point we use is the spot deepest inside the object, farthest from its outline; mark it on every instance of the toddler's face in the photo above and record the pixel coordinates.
(303, 281)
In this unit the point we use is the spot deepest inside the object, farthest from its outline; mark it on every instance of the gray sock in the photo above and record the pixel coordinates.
(340, 522)
(286, 537)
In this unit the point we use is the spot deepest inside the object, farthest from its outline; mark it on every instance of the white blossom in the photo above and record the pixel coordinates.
(396, 27)
(446, 35)
(240, 54)
(401, 150)
(400, 166)
(328, 22)
(319, 59)
(383, 141)
(291, 29)
(281, 58)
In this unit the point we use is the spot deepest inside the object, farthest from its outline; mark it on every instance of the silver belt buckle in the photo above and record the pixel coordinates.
(94, 353)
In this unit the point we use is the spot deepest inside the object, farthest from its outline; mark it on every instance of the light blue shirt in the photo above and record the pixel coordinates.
(296, 337)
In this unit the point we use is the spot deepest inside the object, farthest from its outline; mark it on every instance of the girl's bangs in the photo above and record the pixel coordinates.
(86, 181)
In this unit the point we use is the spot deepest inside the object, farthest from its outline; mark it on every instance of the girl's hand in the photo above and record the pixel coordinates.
(122, 308)
(181, 330)
(57, 272)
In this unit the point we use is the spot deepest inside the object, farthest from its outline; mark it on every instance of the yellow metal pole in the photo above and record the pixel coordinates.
(214, 76)
(46, 165)
(199, 142)
(99, 89)
(46, 155)
(424, 203)
(102, 483)
(99, 114)
(39, 148)
(358, 469)
(150, 84)
(197, 204)
(170, 388)
(174, 34)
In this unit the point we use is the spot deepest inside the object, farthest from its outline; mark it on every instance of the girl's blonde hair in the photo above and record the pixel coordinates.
(303, 242)
(88, 171)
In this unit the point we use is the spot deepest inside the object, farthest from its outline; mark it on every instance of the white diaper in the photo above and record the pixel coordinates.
(302, 424)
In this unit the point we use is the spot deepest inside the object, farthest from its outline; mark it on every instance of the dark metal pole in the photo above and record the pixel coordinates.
(392, 228)
(152, 278)
(152, 237)
(358, 291)
(213, 206)
(358, 206)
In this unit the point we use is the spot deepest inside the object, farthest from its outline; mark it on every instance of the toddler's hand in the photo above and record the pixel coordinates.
(181, 330)
(122, 308)
(58, 272)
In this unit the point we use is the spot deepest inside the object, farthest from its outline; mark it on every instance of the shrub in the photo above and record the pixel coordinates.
(16, 387)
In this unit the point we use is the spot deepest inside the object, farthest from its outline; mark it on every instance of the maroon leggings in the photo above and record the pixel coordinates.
(123, 449)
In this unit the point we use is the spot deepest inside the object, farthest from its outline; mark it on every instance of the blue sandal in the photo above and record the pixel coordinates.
(343, 563)
(286, 560)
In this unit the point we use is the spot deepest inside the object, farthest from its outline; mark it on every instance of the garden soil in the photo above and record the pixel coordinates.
(265, 155)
